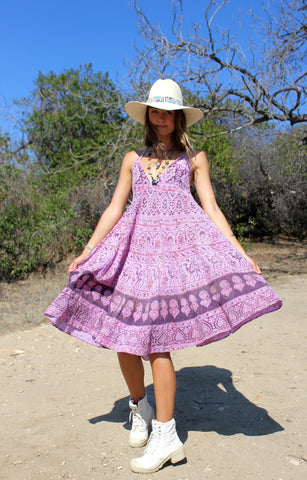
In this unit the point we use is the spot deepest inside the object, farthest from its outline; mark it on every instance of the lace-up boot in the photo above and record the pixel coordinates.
(142, 414)
(163, 445)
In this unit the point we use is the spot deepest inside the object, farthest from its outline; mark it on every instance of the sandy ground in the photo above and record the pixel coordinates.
(240, 406)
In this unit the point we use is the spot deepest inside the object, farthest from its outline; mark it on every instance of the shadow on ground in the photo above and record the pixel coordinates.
(206, 401)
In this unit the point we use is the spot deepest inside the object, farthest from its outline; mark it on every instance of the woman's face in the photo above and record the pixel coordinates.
(163, 121)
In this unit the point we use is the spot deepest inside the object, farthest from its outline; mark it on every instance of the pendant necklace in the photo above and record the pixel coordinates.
(159, 167)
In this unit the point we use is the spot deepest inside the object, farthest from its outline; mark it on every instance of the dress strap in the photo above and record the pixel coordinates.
(141, 155)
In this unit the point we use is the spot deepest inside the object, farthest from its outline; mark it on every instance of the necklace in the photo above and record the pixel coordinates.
(158, 166)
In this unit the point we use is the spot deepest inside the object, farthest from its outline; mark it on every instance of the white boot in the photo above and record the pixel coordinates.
(163, 445)
(142, 414)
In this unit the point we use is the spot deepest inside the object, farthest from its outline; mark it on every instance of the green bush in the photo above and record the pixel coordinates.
(36, 228)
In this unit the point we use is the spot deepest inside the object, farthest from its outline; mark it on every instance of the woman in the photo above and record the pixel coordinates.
(165, 275)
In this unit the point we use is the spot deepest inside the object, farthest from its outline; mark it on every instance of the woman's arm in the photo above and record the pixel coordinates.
(208, 202)
(113, 212)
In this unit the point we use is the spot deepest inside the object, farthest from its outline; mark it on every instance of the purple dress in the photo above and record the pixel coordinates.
(164, 278)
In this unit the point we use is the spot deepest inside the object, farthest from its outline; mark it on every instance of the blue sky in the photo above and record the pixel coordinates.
(57, 34)
(45, 35)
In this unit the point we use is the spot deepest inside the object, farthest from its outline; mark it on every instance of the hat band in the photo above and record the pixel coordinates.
(172, 100)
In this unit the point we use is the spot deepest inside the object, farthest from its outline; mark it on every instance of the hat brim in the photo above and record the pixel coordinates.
(137, 111)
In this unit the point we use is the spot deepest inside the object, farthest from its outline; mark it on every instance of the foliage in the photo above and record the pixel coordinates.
(271, 197)
(34, 229)
(71, 123)
(55, 184)
(5, 151)
(219, 150)
(73, 119)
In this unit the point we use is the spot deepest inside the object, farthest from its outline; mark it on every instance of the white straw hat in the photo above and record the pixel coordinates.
(166, 95)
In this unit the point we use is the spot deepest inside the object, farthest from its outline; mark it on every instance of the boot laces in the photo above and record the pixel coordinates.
(153, 443)
(137, 420)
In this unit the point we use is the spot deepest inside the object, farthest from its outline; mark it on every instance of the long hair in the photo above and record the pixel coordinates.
(180, 138)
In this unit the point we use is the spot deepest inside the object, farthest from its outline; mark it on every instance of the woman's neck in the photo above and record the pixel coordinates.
(163, 152)
(166, 144)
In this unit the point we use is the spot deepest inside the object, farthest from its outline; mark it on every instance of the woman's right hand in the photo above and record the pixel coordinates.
(76, 262)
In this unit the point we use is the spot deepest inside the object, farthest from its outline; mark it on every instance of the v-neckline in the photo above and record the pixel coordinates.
(150, 179)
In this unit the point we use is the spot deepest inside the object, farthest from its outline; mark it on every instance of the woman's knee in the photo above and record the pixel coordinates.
(128, 357)
(160, 355)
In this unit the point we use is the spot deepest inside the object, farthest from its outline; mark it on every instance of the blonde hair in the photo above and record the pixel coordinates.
(181, 140)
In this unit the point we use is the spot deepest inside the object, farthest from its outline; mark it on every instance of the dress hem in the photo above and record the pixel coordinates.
(86, 337)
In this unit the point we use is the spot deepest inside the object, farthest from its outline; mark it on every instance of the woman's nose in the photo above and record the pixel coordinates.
(161, 115)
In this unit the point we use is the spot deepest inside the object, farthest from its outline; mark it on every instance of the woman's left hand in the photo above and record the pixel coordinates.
(253, 264)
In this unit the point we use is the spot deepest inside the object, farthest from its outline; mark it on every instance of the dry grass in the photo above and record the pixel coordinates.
(22, 304)
(280, 256)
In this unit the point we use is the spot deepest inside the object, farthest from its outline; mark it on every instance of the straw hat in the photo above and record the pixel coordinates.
(166, 95)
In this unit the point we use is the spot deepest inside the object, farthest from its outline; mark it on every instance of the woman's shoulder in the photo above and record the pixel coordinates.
(133, 154)
(198, 158)
(130, 158)
(198, 152)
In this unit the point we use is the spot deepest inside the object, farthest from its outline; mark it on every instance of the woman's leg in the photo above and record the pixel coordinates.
(164, 379)
(133, 371)
(141, 411)
(164, 442)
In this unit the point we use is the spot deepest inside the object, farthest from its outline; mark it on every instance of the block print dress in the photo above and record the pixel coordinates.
(164, 278)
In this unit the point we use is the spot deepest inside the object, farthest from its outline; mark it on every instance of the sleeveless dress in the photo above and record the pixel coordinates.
(164, 278)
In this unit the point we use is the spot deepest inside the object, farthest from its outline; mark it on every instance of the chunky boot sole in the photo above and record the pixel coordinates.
(138, 443)
(175, 457)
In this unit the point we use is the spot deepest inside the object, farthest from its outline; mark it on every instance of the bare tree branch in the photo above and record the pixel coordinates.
(209, 59)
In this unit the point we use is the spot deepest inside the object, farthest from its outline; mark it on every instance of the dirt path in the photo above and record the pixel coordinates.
(240, 407)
